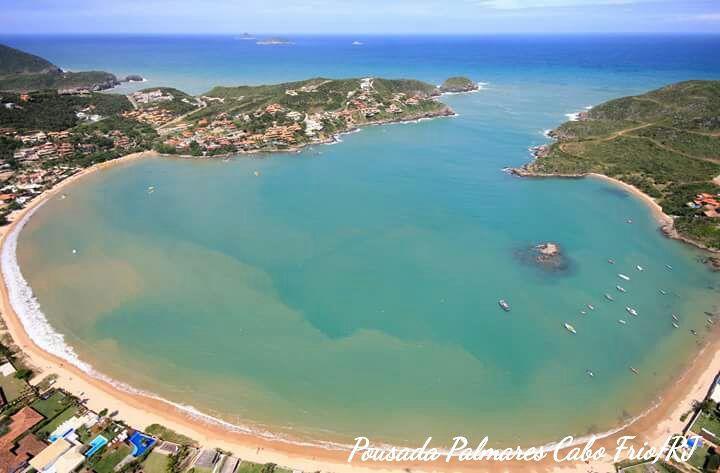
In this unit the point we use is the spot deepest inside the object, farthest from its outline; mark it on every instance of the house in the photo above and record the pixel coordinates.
(61, 456)
(17, 458)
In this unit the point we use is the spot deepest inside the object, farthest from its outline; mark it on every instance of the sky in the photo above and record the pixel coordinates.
(358, 16)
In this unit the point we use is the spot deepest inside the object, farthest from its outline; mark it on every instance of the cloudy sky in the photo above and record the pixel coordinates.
(358, 16)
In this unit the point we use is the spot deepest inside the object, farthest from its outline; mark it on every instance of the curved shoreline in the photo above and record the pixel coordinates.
(140, 409)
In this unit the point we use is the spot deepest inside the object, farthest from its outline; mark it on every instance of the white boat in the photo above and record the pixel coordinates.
(620, 288)
(569, 328)
(591, 307)
(590, 373)
(668, 267)
(639, 268)
(505, 306)
(582, 312)
(609, 297)
(622, 321)
(675, 318)
(622, 276)
(663, 292)
(611, 261)
(675, 325)
(635, 371)
(631, 311)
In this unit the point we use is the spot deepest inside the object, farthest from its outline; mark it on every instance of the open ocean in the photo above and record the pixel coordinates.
(352, 289)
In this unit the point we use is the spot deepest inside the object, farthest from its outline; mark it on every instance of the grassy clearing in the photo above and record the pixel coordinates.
(155, 463)
(48, 428)
(109, 458)
(53, 405)
(12, 387)
(164, 433)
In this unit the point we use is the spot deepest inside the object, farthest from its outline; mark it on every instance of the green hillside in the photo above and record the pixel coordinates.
(23, 72)
(13, 61)
(665, 142)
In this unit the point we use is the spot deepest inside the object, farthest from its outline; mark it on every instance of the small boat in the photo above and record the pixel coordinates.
(590, 373)
(639, 268)
(668, 267)
(569, 328)
(663, 292)
(622, 276)
(628, 220)
(591, 307)
(631, 311)
(505, 306)
(693, 332)
(63, 196)
(675, 318)
(709, 314)
(675, 325)
(609, 297)
(634, 370)
(582, 312)
(620, 288)
(710, 321)
(74, 251)
(256, 173)
(611, 261)
(622, 321)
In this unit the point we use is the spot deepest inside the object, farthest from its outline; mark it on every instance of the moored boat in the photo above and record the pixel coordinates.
(505, 306)
(631, 311)
(609, 297)
(622, 321)
(569, 328)
(620, 288)
(622, 276)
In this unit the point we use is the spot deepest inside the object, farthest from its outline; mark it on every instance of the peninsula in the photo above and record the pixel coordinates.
(49, 135)
(665, 143)
(24, 72)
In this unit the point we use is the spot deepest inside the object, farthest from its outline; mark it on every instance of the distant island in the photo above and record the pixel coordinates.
(24, 72)
(666, 143)
(458, 85)
(274, 42)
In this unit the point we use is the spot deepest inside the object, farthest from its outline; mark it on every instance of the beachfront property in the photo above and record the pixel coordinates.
(47, 430)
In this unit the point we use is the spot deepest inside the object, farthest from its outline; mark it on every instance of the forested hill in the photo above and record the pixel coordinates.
(13, 61)
(24, 72)
(665, 142)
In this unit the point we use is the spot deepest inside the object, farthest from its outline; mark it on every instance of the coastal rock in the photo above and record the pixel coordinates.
(547, 256)
(457, 85)
(133, 78)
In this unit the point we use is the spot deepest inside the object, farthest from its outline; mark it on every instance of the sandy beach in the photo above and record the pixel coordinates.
(140, 411)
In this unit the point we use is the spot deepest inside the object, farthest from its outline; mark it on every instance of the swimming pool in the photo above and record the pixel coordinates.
(96, 444)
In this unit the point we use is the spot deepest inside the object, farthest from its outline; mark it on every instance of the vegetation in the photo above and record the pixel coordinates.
(169, 435)
(665, 142)
(50, 111)
(13, 61)
(156, 463)
(50, 427)
(181, 104)
(106, 459)
(458, 84)
(53, 405)
(21, 72)
(313, 95)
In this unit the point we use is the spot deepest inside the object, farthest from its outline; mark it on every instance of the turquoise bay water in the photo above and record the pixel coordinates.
(352, 289)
